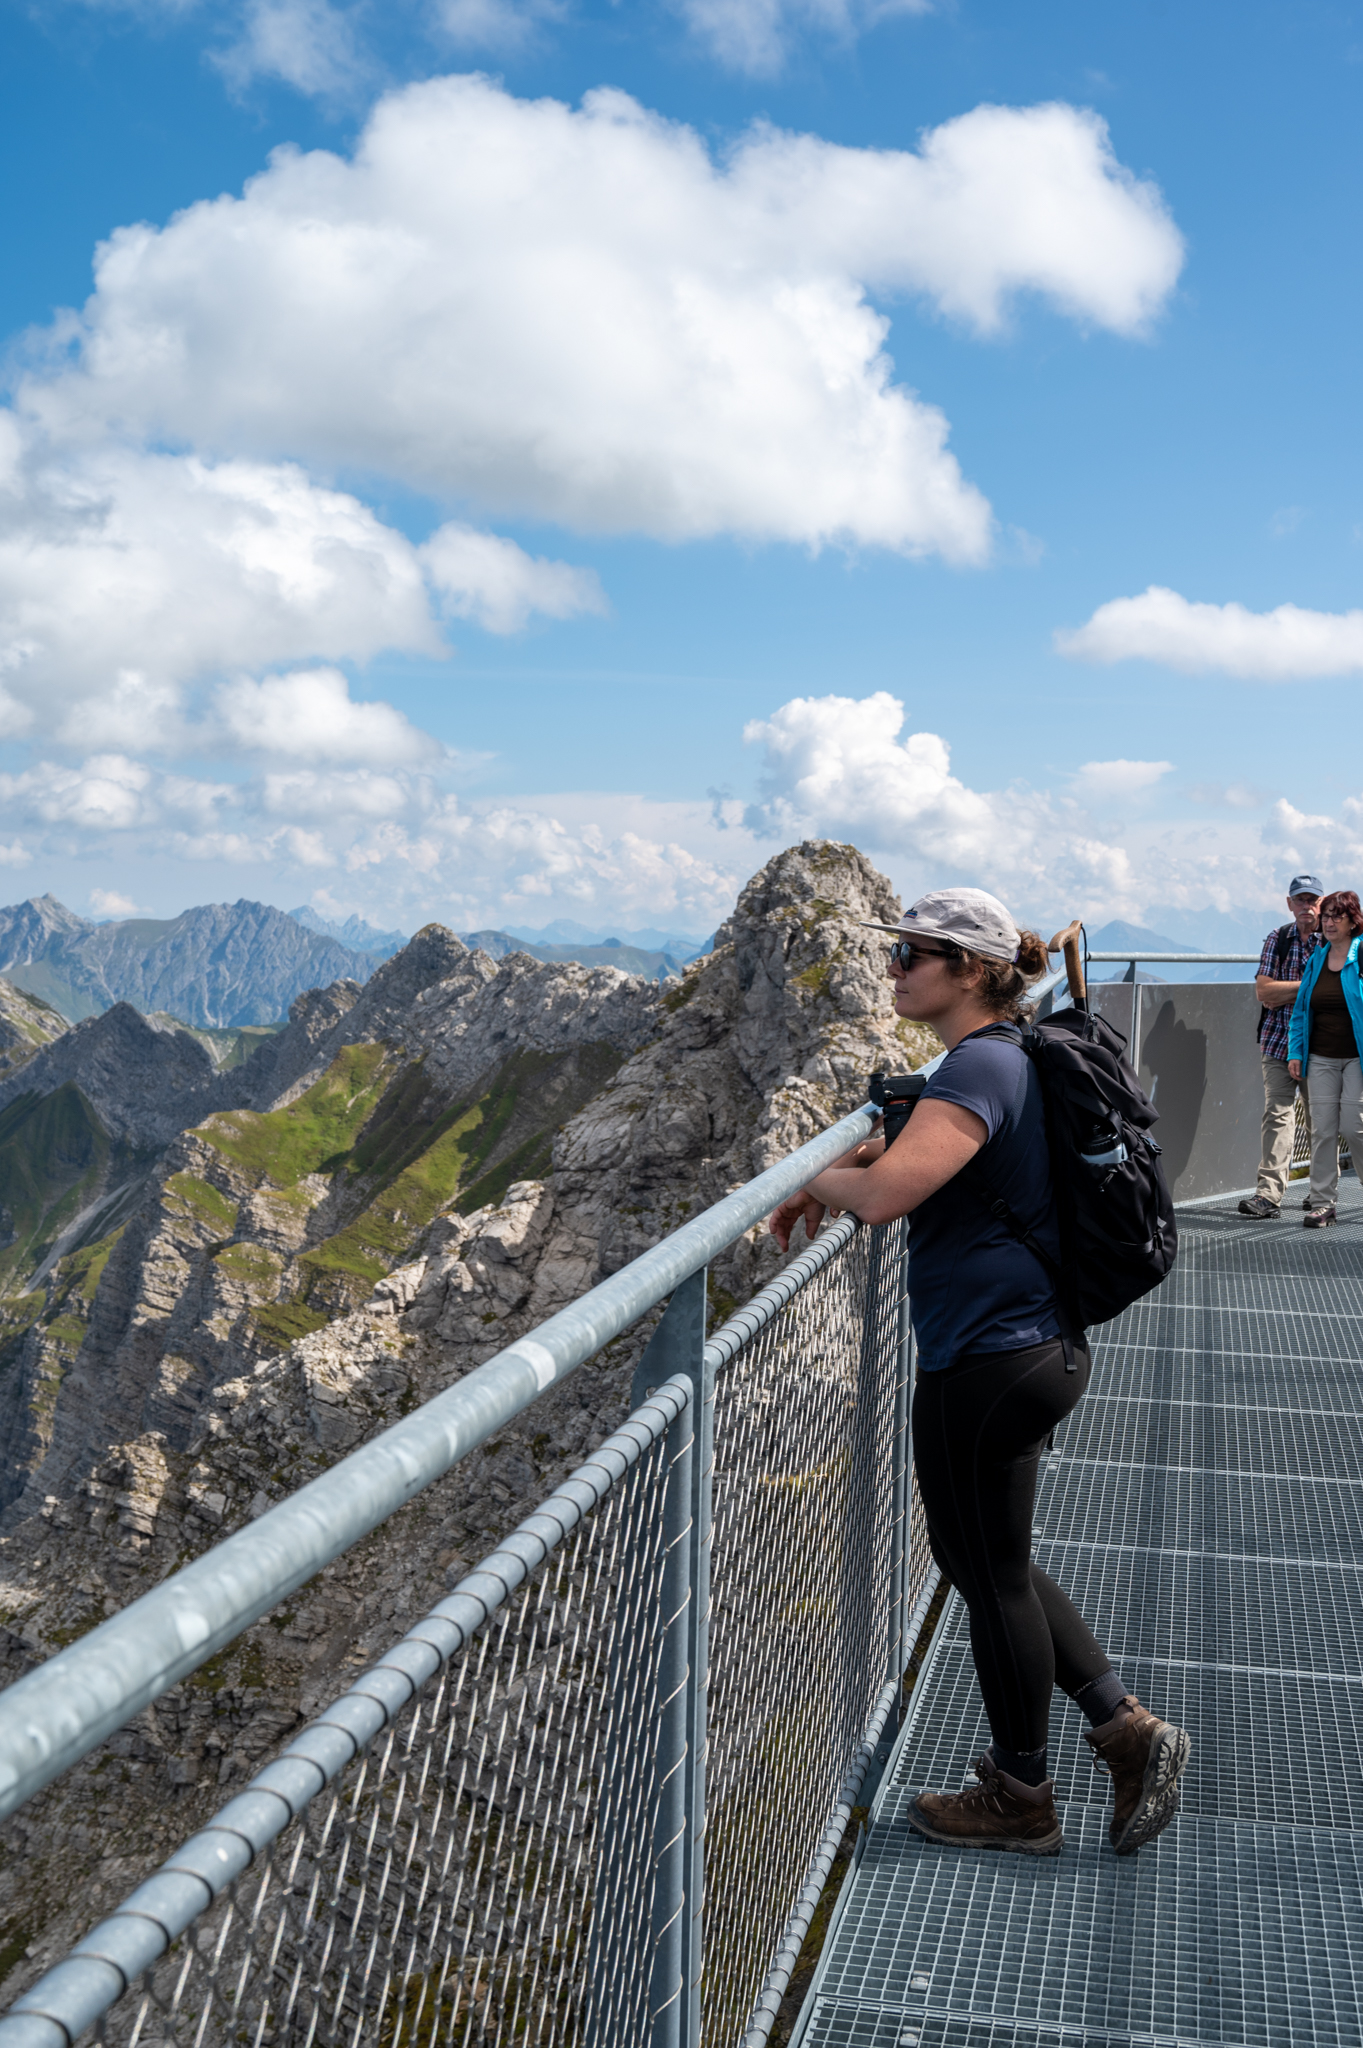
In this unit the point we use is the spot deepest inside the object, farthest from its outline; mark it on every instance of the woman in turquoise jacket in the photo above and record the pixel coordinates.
(1325, 1042)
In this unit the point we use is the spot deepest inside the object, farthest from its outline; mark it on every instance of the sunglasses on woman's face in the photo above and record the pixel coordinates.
(904, 952)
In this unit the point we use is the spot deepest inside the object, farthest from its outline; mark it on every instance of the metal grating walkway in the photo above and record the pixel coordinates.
(1205, 1510)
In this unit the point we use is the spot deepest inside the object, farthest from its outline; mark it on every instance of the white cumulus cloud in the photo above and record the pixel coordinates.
(312, 716)
(127, 576)
(109, 903)
(1286, 644)
(483, 577)
(580, 314)
(838, 766)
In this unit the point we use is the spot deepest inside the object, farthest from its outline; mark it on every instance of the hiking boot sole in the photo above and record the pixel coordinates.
(1170, 1749)
(1035, 1845)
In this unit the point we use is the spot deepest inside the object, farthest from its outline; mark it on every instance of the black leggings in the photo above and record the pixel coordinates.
(979, 1428)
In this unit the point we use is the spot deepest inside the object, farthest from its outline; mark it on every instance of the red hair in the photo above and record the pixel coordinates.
(1343, 903)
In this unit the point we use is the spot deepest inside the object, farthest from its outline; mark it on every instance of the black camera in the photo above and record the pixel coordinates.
(894, 1095)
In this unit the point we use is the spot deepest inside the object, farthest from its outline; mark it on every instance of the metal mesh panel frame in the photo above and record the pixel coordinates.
(126, 1982)
(836, 1314)
(810, 1432)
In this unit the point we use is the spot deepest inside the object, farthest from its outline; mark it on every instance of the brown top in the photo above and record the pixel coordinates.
(1332, 1031)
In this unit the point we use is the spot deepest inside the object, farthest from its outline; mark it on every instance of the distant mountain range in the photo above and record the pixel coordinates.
(653, 965)
(355, 933)
(1116, 936)
(225, 968)
(217, 966)
(652, 939)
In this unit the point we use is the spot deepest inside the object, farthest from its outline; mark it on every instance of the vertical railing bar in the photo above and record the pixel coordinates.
(900, 1482)
(670, 1832)
(676, 1349)
(698, 1690)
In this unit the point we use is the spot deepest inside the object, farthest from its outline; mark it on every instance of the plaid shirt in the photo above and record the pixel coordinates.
(1273, 1024)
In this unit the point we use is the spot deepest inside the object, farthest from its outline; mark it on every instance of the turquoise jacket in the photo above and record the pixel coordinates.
(1299, 1030)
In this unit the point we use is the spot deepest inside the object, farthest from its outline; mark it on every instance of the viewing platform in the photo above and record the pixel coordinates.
(593, 1798)
(1204, 1504)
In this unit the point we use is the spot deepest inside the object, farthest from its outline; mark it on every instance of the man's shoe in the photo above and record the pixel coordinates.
(998, 1813)
(1260, 1206)
(1145, 1757)
(1320, 1219)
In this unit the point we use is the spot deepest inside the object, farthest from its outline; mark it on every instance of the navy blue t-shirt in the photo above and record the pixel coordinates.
(972, 1286)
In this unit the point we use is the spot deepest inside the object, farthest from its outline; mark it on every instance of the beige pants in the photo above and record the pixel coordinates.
(1334, 1089)
(1279, 1129)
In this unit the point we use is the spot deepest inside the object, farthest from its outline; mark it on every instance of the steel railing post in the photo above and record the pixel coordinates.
(858, 1618)
(698, 1691)
(901, 1470)
(678, 1846)
(887, 1266)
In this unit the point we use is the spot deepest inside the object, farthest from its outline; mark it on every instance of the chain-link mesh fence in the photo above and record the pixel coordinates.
(804, 1541)
(501, 1863)
(482, 1872)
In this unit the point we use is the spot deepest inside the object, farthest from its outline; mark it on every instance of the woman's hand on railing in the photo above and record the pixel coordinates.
(782, 1221)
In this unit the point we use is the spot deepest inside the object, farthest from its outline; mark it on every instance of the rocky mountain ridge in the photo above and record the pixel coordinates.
(456, 1151)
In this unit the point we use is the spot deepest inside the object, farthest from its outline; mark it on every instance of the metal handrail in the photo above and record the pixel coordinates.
(59, 1712)
(1181, 959)
(56, 1714)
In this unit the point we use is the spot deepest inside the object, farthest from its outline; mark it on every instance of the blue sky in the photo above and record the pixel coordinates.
(454, 507)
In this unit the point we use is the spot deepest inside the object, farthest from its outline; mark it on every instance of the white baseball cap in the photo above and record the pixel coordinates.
(971, 918)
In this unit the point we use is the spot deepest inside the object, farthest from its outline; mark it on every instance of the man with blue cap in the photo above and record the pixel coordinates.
(1281, 965)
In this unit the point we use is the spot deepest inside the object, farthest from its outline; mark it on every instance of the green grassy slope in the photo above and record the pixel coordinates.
(56, 1158)
(396, 1155)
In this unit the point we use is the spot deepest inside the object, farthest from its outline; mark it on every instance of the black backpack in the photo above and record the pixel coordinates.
(1118, 1238)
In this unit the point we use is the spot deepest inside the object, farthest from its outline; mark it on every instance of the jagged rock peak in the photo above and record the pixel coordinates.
(145, 1082)
(25, 928)
(768, 1039)
(818, 880)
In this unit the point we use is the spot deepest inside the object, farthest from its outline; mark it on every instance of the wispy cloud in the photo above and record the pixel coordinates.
(757, 36)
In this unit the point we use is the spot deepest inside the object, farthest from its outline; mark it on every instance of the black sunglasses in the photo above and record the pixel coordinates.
(904, 952)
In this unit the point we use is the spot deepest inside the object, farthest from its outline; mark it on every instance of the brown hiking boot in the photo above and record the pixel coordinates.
(998, 1813)
(1145, 1757)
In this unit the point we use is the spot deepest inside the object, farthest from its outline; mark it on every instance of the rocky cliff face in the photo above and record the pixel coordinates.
(467, 1147)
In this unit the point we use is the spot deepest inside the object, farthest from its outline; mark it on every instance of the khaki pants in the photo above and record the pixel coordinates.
(1334, 1089)
(1279, 1128)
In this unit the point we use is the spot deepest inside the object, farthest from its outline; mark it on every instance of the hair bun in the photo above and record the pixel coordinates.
(1032, 956)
